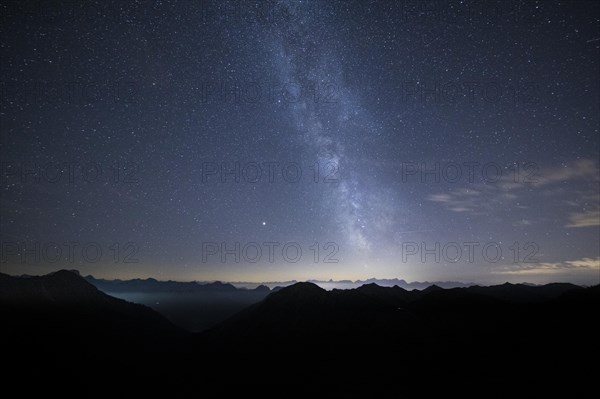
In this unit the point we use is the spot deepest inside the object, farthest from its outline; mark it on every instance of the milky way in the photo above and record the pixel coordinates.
(213, 140)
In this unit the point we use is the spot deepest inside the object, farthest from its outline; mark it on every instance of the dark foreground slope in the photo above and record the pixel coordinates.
(63, 302)
(59, 326)
(502, 341)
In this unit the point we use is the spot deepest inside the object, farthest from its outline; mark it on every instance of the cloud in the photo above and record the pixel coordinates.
(460, 209)
(583, 169)
(584, 219)
(440, 198)
(533, 176)
(522, 222)
(468, 200)
(508, 194)
(583, 264)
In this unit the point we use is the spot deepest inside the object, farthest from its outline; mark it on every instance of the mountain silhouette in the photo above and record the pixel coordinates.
(262, 288)
(438, 333)
(60, 325)
(312, 317)
(523, 292)
(64, 299)
(383, 339)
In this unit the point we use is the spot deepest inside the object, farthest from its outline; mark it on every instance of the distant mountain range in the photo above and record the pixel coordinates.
(349, 284)
(152, 285)
(192, 305)
(418, 285)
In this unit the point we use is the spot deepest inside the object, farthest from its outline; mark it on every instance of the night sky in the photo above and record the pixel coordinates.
(343, 140)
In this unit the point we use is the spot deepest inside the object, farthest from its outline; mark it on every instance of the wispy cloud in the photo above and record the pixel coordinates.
(477, 200)
(584, 219)
(583, 264)
(507, 194)
(583, 169)
(461, 200)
